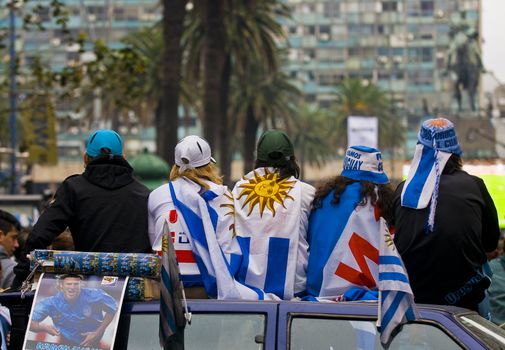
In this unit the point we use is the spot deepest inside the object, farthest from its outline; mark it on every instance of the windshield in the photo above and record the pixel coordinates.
(488, 332)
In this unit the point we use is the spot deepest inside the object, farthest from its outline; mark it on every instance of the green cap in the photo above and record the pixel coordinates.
(150, 169)
(275, 147)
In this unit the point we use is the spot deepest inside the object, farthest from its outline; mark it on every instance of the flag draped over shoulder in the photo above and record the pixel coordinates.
(267, 224)
(396, 301)
(202, 218)
(330, 229)
(172, 320)
(422, 177)
(360, 259)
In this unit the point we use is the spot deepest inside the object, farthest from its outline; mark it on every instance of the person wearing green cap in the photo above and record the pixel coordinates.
(105, 208)
(271, 208)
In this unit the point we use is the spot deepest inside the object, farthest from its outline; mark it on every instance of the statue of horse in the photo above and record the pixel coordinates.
(465, 64)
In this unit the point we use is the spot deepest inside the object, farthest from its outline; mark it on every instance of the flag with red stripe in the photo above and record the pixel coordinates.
(172, 319)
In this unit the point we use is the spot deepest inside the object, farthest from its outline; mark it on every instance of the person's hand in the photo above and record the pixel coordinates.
(91, 338)
(49, 328)
(492, 255)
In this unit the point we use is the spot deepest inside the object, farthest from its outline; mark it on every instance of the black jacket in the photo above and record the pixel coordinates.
(105, 209)
(445, 266)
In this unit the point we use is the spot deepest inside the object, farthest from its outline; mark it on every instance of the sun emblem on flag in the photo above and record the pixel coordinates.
(389, 239)
(164, 243)
(438, 123)
(265, 190)
(231, 210)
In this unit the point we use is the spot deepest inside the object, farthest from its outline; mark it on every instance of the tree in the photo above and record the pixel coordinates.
(359, 98)
(261, 98)
(167, 120)
(223, 40)
(312, 135)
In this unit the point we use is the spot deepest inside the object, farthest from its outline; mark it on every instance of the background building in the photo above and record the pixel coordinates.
(107, 20)
(401, 45)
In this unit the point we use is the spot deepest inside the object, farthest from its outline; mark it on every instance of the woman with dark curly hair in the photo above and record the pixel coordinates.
(353, 201)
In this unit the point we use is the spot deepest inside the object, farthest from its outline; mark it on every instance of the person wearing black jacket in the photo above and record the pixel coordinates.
(445, 222)
(105, 208)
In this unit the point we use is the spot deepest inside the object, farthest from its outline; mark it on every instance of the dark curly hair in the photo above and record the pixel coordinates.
(384, 201)
(454, 163)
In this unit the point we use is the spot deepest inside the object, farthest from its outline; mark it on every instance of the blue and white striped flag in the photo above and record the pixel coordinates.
(422, 177)
(396, 300)
(172, 320)
(202, 215)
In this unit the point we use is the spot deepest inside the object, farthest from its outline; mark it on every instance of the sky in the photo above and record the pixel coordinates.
(493, 27)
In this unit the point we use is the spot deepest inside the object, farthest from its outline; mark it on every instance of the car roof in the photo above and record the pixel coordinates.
(366, 307)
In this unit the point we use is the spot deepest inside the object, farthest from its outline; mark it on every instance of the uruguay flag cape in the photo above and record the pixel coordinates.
(359, 254)
(267, 224)
(202, 218)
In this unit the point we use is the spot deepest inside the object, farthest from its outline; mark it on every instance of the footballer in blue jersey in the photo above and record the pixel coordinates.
(80, 316)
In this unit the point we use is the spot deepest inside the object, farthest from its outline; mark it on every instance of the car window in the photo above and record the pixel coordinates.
(333, 334)
(206, 331)
(486, 331)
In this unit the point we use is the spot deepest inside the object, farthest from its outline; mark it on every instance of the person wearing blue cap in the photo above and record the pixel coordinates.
(105, 208)
(360, 194)
(445, 222)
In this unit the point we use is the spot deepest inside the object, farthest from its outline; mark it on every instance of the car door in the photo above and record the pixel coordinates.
(333, 326)
(215, 324)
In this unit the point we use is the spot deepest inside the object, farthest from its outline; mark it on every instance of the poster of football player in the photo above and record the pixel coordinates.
(72, 311)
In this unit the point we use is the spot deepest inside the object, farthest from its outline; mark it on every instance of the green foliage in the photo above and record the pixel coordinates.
(32, 16)
(312, 134)
(251, 35)
(358, 98)
(271, 95)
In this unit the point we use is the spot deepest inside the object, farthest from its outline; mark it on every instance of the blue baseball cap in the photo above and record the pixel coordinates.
(104, 138)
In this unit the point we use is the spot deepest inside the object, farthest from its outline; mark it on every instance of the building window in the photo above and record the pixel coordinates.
(353, 51)
(420, 77)
(310, 30)
(427, 8)
(420, 54)
(324, 33)
(330, 79)
(389, 6)
(331, 9)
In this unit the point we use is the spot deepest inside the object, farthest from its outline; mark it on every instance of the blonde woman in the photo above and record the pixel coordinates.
(196, 208)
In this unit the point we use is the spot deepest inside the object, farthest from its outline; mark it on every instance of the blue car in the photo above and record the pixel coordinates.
(268, 325)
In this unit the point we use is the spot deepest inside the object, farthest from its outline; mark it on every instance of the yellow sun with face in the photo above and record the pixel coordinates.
(265, 190)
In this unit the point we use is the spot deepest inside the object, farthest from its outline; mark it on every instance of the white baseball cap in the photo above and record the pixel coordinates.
(192, 152)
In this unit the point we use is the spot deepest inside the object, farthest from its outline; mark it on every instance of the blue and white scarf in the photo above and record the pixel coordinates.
(201, 217)
(437, 142)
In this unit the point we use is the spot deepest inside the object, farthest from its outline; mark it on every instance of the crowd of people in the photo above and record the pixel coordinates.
(273, 236)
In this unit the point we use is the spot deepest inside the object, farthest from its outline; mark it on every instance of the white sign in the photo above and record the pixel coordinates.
(363, 131)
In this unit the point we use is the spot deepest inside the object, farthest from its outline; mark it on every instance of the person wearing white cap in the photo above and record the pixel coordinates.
(193, 204)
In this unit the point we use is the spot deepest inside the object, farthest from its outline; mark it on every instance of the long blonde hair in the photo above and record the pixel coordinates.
(207, 172)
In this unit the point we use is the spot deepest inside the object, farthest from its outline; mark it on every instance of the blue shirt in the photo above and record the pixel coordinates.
(85, 314)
